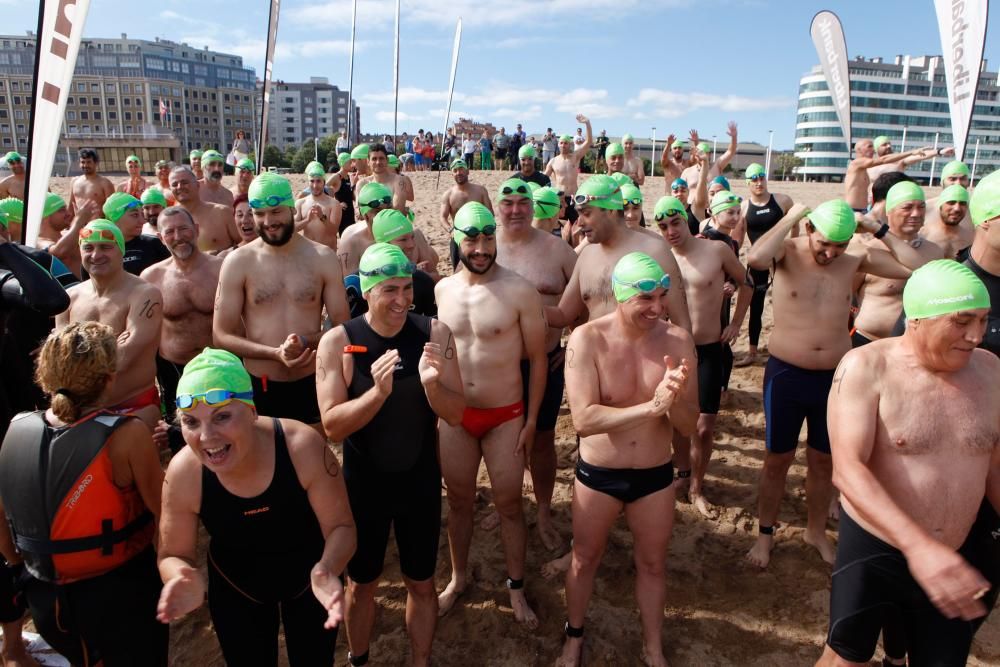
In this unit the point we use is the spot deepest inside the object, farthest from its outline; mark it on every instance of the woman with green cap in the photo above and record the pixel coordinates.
(271, 497)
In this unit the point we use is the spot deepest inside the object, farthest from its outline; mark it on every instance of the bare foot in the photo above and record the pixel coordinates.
(745, 360)
(522, 611)
(554, 568)
(834, 513)
(681, 486)
(654, 658)
(760, 554)
(547, 532)
(527, 485)
(703, 506)
(490, 522)
(572, 653)
(450, 595)
(822, 544)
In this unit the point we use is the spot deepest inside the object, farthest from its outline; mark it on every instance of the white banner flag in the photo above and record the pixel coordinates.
(828, 38)
(963, 37)
(61, 26)
(265, 107)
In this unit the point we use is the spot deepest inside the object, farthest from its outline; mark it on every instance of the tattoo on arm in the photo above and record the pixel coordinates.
(218, 300)
(330, 461)
(320, 370)
(839, 376)
(570, 355)
(449, 349)
(149, 308)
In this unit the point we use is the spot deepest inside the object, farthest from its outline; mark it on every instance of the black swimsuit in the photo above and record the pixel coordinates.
(760, 220)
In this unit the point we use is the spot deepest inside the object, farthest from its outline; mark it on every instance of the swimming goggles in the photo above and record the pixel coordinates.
(213, 398)
(757, 177)
(474, 232)
(521, 190)
(131, 205)
(377, 203)
(580, 200)
(669, 213)
(645, 285)
(636, 201)
(272, 200)
(391, 270)
(97, 236)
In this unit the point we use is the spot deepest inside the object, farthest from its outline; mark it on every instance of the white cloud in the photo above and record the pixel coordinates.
(495, 94)
(252, 49)
(533, 111)
(386, 117)
(672, 104)
(409, 95)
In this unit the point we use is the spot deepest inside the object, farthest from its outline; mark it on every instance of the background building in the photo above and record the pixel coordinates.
(884, 102)
(473, 128)
(120, 87)
(302, 111)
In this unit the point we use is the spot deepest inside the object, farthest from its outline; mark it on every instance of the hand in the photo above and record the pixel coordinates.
(730, 333)
(731, 129)
(431, 366)
(675, 377)
(948, 152)
(160, 437)
(86, 210)
(728, 288)
(694, 138)
(382, 370)
(525, 440)
(580, 118)
(868, 223)
(671, 138)
(181, 595)
(798, 211)
(424, 266)
(316, 211)
(950, 582)
(294, 353)
(329, 590)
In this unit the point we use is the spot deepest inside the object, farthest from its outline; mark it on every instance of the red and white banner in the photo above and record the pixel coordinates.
(60, 28)
(963, 37)
(272, 37)
(828, 38)
(164, 110)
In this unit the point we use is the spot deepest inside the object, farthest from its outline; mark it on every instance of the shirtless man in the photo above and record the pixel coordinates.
(216, 226)
(615, 158)
(672, 158)
(135, 184)
(245, 171)
(276, 291)
(90, 185)
(141, 250)
(694, 173)
(705, 266)
(195, 158)
(912, 479)
(153, 202)
(882, 298)
(163, 180)
(564, 168)
(317, 215)
(948, 223)
(212, 190)
(857, 182)
(631, 385)
(359, 157)
(812, 300)
(130, 306)
(372, 198)
(13, 185)
(883, 148)
(187, 280)
(633, 163)
(458, 196)
(496, 317)
(547, 263)
(55, 220)
(401, 186)
(599, 202)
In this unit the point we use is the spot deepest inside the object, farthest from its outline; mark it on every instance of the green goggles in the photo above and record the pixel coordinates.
(272, 200)
(391, 270)
(646, 285)
(377, 203)
(669, 213)
(213, 398)
(474, 232)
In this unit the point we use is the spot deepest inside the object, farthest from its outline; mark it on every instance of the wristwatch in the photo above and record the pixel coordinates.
(883, 230)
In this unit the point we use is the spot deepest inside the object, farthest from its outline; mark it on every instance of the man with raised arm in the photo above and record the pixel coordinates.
(858, 181)
(564, 168)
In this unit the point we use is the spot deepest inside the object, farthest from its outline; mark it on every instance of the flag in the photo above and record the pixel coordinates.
(828, 38)
(164, 110)
(272, 36)
(60, 27)
(963, 38)
(350, 77)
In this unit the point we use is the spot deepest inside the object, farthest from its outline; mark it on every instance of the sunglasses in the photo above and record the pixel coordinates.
(756, 177)
(669, 213)
(637, 201)
(378, 203)
(391, 270)
(521, 190)
(97, 236)
(646, 285)
(474, 232)
(213, 398)
(272, 200)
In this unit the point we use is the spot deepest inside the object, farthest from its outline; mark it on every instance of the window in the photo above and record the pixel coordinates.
(7, 141)
(127, 101)
(155, 90)
(18, 114)
(17, 99)
(138, 87)
(228, 122)
(112, 102)
(138, 101)
(109, 87)
(70, 115)
(20, 128)
(95, 87)
(97, 115)
(84, 115)
(83, 101)
(80, 87)
(69, 100)
(5, 128)
(95, 101)
(128, 115)
(125, 88)
(138, 115)
(154, 63)
(222, 73)
(112, 115)
(104, 61)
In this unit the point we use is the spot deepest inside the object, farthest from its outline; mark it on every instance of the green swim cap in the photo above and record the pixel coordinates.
(955, 168)
(393, 161)
(613, 149)
(458, 164)
(381, 262)
(546, 203)
(633, 268)
(3, 220)
(215, 369)
(13, 156)
(943, 286)
(342, 159)
(834, 219)
(269, 189)
(390, 224)
(985, 201)
(117, 204)
(679, 143)
(627, 137)
(754, 169)
(902, 192)
(14, 208)
(472, 215)
(162, 163)
(631, 193)
(370, 192)
(153, 197)
(208, 157)
(513, 187)
(566, 138)
(53, 203)
(194, 154)
(953, 193)
(133, 158)
(723, 201)
(704, 147)
(99, 228)
(668, 206)
(533, 186)
(879, 140)
(246, 164)
(360, 152)
(607, 192)
(315, 170)
(526, 151)
(621, 178)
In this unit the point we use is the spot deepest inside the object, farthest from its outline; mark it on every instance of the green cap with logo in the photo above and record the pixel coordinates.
(546, 203)
(268, 189)
(630, 194)
(53, 203)
(601, 192)
(208, 157)
(754, 169)
(941, 287)
(621, 178)
(100, 227)
(631, 269)
(381, 262)
(117, 204)
(985, 201)
(669, 206)
(215, 369)
(723, 201)
(835, 220)
(370, 192)
(390, 224)
(472, 215)
(513, 187)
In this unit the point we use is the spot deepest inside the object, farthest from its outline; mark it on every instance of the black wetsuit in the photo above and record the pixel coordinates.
(260, 556)
(390, 464)
(536, 177)
(345, 195)
(760, 220)
(142, 252)
(693, 223)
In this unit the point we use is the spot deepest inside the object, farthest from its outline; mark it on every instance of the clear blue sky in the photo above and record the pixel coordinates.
(682, 64)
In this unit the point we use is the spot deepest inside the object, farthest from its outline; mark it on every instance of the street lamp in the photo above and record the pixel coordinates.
(767, 159)
(652, 155)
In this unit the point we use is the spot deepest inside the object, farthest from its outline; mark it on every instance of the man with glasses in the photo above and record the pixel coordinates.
(89, 186)
(547, 262)
(245, 171)
(270, 301)
(141, 250)
(458, 196)
(213, 164)
(496, 317)
(135, 184)
(383, 380)
(131, 307)
(705, 266)
(216, 223)
(13, 185)
(318, 214)
(631, 384)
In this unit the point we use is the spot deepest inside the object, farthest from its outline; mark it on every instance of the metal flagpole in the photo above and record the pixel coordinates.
(930, 183)
(652, 155)
(975, 161)
(767, 159)
(350, 79)
(31, 122)
(395, 84)
(451, 89)
(715, 147)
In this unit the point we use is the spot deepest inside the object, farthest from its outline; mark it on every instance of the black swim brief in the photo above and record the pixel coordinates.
(710, 377)
(555, 382)
(791, 395)
(287, 400)
(858, 339)
(625, 484)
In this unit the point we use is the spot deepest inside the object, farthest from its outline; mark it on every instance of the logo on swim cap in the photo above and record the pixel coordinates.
(390, 224)
(941, 287)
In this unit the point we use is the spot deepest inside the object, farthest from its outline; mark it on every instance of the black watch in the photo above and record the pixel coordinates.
(883, 230)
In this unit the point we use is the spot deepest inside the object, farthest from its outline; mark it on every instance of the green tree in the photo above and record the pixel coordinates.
(786, 164)
(273, 157)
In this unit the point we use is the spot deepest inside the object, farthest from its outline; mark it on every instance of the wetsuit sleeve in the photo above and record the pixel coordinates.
(28, 284)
